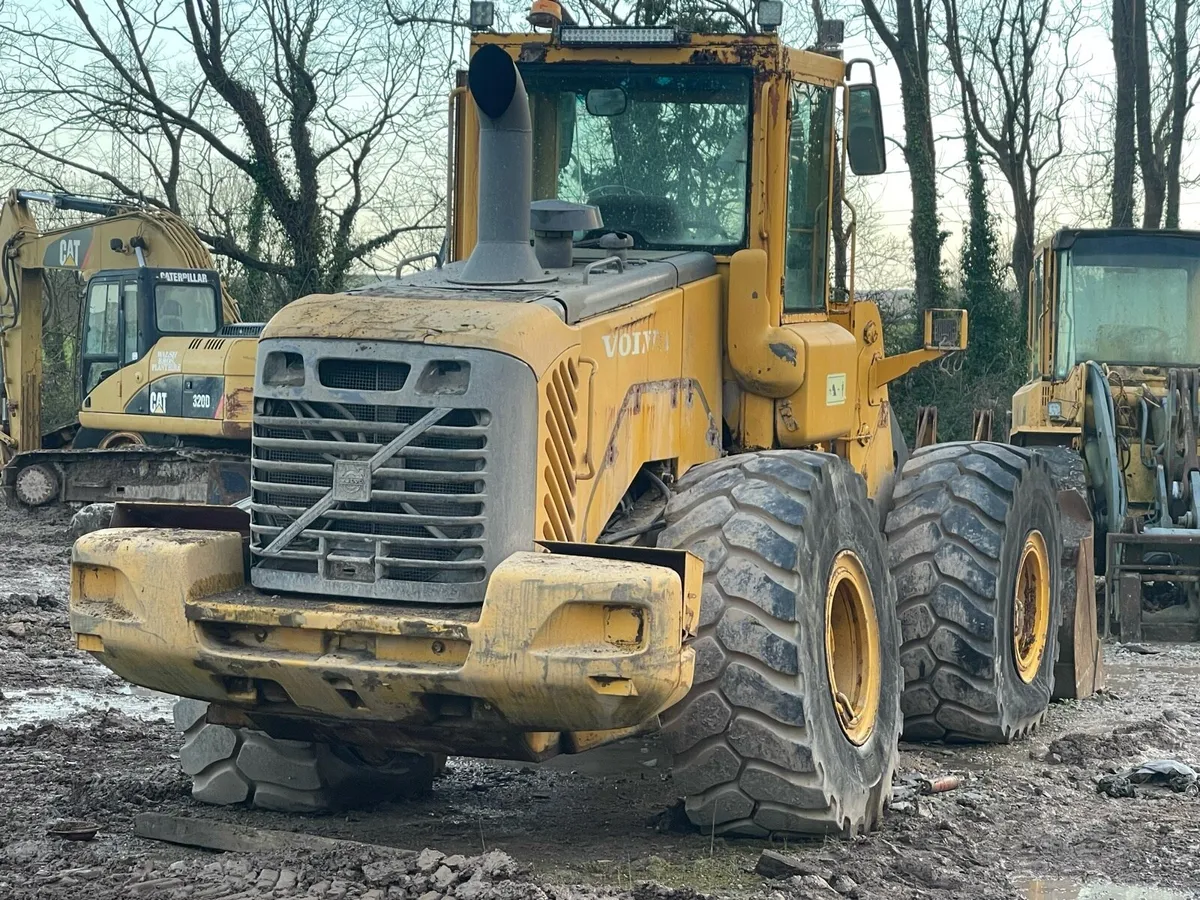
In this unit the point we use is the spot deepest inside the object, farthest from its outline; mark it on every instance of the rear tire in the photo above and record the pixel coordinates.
(963, 537)
(759, 744)
(1075, 518)
(230, 766)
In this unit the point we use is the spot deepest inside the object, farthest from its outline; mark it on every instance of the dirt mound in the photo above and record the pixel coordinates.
(109, 794)
(1122, 743)
(107, 727)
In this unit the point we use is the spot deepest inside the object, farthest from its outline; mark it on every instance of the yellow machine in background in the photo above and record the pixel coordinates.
(166, 365)
(631, 474)
(1115, 337)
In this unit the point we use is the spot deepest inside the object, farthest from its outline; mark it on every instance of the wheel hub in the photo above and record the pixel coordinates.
(36, 485)
(852, 648)
(1031, 607)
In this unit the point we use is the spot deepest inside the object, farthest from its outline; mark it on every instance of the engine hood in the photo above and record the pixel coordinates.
(532, 322)
(526, 331)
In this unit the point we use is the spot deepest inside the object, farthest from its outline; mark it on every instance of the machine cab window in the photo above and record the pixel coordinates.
(101, 332)
(1038, 310)
(660, 150)
(185, 308)
(807, 250)
(1127, 299)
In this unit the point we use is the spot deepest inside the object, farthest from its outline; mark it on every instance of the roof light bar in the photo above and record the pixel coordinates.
(622, 37)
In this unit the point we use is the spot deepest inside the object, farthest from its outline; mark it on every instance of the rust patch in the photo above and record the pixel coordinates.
(785, 352)
(533, 52)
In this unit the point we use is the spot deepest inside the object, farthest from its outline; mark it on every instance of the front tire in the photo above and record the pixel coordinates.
(243, 766)
(975, 547)
(793, 716)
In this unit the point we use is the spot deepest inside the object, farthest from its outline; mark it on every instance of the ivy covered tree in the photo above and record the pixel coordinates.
(995, 360)
(985, 375)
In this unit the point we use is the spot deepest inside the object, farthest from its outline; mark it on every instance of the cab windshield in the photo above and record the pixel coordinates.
(1129, 300)
(660, 150)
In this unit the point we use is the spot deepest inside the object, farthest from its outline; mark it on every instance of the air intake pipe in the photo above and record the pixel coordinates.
(502, 253)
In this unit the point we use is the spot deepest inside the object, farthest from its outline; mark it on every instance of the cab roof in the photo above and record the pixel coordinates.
(1064, 238)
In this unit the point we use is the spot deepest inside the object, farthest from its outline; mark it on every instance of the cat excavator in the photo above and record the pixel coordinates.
(166, 367)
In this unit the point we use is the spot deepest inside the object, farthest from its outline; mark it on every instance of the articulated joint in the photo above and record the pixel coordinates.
(768, 360)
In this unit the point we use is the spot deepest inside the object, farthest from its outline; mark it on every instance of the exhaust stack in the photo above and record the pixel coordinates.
(502, 253)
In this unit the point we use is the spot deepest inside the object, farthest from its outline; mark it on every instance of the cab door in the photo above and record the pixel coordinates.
(113, 332)
(100, 354)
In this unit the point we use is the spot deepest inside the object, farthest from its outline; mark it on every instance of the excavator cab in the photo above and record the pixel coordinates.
(126, 312)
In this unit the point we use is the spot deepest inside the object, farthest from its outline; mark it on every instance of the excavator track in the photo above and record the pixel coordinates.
(47, 477)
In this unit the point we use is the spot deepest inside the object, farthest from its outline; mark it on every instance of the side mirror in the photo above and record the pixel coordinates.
(864, 143)
(606, 101)
(945, 329)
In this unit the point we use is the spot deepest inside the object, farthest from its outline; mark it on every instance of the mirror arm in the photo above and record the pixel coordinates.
(887, 369)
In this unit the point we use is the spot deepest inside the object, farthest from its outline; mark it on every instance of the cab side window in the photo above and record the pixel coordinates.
(102, 314)
(101, 333)
(807, 249)
(129, 312)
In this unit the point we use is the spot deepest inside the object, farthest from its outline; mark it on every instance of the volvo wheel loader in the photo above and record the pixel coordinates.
(166, 367)
(1114, 330)
(621, 463)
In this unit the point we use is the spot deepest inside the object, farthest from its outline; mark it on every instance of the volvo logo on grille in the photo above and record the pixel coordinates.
(352, 480)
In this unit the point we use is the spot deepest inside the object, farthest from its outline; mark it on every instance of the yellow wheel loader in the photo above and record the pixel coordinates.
(621, 462)
(1114, 333)
(166, 367)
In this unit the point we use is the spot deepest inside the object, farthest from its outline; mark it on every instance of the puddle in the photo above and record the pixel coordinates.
(59, 703)
(1061, 889)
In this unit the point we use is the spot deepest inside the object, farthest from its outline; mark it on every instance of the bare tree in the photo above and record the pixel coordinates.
(1013, 63)
(1165, 84)
(1087, 175)
(908, 42)
(1157, 76)
(309, 108)
(1184, 81)
(1124, 143)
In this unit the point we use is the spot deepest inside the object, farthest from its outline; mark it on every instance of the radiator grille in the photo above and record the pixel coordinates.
(391, 471)
(425, 518)
(363, 375)
(241, 329)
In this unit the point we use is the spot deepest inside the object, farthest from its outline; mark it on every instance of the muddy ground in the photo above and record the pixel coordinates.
(77, 743)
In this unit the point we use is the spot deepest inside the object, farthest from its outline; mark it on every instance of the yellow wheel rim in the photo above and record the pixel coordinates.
(852, 648)
(1031, 607)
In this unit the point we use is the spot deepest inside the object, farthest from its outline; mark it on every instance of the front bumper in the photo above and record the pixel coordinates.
(566, 651)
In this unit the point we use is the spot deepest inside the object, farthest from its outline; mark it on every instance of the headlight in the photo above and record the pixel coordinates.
(1054, 408)
(604, 36)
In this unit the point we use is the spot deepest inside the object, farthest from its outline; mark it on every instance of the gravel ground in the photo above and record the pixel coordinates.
(1028, 821)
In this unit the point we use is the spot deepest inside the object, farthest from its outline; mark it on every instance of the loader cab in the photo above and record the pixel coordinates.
(714, 143)
(1122, 297)
(126, 312)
